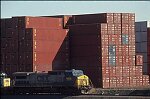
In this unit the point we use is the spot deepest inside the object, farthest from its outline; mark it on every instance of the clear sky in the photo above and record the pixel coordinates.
(48, 8)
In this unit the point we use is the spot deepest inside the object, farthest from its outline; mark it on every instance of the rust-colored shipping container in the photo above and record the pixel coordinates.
(38, 22)
(125, 18)
(67, 20)
(139, 60)
(44, 47)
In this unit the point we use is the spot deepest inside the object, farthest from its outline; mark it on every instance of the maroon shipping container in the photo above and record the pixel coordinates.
(3, 61)
(81, 51)
(82, 30)
(93, 18)
(85, 40)
(148, 48)
(3, 28)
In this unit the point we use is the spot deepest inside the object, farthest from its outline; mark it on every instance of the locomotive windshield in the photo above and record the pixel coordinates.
(73, 72)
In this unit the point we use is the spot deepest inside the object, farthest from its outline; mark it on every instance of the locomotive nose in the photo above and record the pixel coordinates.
(82, 81)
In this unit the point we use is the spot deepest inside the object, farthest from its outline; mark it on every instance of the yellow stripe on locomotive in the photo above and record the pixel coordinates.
(6, 82)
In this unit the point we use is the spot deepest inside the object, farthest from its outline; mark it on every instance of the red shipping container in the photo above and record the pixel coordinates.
(125, 71)
(132, 81)
(104, 50)
(131, 60)
(131, 18)
(117, 17)
(125, 50)
(111, 28)
(125, 60)
(118, 50)
(38, 22)
(105, 71)
(125, 28)
(106, 82)
(126, 81)
(119, 71)
(67, 20)
(132, 71)
(138, 70)
(113, 82)
(104, 27)
(112, 72)
(125, 18)
(139, 60)
(119, 81)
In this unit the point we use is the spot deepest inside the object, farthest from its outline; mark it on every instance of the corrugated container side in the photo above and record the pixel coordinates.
(3, 28)
(43, 22)
(139, 60)
(117, 17)
(125, 18)
(148, 49)
(55, 38)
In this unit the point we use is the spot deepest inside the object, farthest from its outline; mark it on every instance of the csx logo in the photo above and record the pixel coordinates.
(68, 78)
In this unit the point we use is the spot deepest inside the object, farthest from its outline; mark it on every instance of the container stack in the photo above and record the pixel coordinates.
(103, 45)
(9, 47)
(141, 42)
(34, 44)
(148, 48)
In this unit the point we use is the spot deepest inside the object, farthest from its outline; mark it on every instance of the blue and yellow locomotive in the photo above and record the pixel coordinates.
(68, 81)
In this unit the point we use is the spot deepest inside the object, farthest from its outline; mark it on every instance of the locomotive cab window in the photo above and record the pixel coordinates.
(21, 77)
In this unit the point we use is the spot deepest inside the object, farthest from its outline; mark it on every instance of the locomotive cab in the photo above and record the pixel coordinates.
(5, 81)
(81, 81)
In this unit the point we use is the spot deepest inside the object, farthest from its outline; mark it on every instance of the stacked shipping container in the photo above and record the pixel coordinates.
(141, 42)
(103, 45)
(148, 48)
(34, 44)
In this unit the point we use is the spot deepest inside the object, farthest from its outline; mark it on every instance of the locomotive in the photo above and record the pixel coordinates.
(65, 82)
(4, 80)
